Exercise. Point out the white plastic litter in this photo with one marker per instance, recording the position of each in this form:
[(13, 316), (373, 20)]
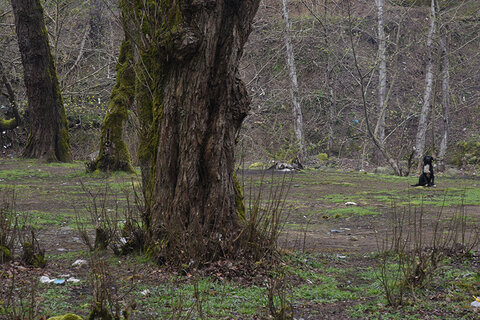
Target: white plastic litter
[(73, 280), (45, 279), (475, 304), (79, 263)]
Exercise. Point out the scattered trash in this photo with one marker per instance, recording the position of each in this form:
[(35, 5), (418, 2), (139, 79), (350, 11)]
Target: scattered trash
[(79, 263), (350, 203), (340, 256), (73, 280), (45, 279), (62, 249), (145, 292), (336, 231), (476, 303)]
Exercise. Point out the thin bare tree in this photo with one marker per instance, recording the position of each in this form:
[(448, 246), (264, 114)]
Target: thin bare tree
[(445, 96), (427, 95), (292, 71), (382, 75)]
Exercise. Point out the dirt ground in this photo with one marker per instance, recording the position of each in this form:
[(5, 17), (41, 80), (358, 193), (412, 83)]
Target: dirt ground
[(344, 215)]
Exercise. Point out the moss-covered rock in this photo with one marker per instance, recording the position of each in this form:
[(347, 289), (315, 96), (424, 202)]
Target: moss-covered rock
[(5, 254), (68, 316)]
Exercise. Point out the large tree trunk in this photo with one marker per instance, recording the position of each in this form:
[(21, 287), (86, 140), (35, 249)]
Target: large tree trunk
[(445, 98), (191, 106), (48, 138), (427, 96), (113, 154), (292, 71)]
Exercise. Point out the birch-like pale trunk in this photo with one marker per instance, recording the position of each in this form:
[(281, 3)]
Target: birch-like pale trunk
[(382, 74), (329, 82), (427, 97), (292, 71), (445, 96)]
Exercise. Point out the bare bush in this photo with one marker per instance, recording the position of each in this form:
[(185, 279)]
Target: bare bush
[(416, 243)]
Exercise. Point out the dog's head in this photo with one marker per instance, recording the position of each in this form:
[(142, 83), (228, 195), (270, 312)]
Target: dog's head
[(427, 160)]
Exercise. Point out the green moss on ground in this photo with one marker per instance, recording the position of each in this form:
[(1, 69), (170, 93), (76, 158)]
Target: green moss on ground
[(68, 316)]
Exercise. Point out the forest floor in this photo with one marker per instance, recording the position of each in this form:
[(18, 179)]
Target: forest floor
[(339, 232)]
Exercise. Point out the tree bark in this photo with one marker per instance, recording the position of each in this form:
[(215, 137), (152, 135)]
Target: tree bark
[(382, 77), (191, 104), (9, 124), (329, 82), (113, 154), (292, 71), (445, 97), (48, 138), (427, 96)]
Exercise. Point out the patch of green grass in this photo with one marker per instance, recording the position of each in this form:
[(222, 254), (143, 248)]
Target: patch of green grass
[(351, 211), (57, 300), (334, 198), (219, 300), (38, 219), (75, 164), (22, 174)]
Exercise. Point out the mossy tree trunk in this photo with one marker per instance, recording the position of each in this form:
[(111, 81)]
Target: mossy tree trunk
[(48, 138), (191, 106), (9, 124), (113, 154)]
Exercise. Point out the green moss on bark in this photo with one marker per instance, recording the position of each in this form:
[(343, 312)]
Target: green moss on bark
[(113, 154), (8, 124)]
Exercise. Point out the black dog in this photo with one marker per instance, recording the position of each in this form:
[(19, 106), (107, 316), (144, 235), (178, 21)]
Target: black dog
[(427, 177)]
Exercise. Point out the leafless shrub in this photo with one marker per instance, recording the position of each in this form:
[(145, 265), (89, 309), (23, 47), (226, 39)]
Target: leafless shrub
[(8, 225), (33, 254), (110, 300), (264, 215), (115, 226), (413, 247), (278, 304), (19, 297)]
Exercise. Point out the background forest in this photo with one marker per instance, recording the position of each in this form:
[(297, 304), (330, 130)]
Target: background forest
[(335, 47)]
